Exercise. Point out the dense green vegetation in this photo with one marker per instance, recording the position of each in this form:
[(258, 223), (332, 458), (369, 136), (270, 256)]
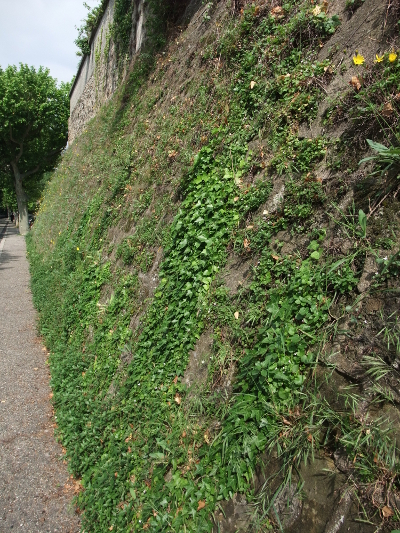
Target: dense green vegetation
[(34, 114), (192, 173)]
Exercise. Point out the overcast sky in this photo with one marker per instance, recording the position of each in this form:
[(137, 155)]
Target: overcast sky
[(41, 32)]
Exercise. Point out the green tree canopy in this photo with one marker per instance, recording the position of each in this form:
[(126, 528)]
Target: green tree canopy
[(34, 115)]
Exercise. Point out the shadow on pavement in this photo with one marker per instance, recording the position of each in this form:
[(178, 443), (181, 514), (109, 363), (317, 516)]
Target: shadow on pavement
[(6, 257)]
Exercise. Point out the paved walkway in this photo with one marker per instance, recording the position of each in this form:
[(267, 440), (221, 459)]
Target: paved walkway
[(35, 488)]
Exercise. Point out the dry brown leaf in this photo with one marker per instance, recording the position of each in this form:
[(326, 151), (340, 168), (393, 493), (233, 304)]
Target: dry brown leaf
[(276, 12), (201, 505), (310, 438), (175, 381), (387, 511), (249, 227), (355, 82), (286, 422), (177, 399), (77, 486), (396, 97), (387, 110), (246, 243), (276, 257)]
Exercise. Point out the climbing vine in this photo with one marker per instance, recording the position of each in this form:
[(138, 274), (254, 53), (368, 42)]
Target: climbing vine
[(179, 173)]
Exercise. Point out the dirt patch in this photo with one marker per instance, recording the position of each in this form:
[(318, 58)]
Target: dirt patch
[(196, 372), (237, 273)]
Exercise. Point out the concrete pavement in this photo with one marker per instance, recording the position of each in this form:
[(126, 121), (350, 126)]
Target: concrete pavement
[(35, 487)]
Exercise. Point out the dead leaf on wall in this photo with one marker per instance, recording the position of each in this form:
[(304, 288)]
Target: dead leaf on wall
[(355, 82), (387, 110), (177, 399), (276, 12), (387, 511), (201, 505)]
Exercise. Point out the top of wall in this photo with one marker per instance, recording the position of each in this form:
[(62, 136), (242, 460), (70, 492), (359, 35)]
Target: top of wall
[(87, 63)]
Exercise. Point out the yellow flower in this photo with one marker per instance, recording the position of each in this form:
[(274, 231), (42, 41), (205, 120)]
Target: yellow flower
[(78, 249), (392, 57), (379, 58), (358, 59)]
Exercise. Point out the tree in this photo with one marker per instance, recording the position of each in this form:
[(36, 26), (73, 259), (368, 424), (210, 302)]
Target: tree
[(34, 115)]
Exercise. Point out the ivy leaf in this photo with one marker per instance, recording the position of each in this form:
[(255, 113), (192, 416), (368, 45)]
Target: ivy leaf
[(316, 255), (157, 455)]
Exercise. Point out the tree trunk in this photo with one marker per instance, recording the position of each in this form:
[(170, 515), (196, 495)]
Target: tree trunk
[(21, 201)]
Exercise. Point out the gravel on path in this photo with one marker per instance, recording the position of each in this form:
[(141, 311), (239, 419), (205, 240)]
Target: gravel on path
[(35, 488)]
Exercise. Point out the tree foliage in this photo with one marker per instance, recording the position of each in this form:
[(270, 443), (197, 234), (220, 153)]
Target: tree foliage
[(34, 113), (88, 25)]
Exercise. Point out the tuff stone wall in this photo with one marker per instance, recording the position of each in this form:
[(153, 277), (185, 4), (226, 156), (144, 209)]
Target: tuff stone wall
[(98, 73)]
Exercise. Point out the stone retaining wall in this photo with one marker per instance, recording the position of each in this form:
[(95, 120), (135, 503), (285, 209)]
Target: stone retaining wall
[(97, 76)]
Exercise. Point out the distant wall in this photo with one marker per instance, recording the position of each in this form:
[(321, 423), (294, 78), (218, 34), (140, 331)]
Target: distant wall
[(97, 76)]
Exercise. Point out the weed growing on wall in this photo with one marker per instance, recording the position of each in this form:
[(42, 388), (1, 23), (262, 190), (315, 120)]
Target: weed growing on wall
[(178, 173)]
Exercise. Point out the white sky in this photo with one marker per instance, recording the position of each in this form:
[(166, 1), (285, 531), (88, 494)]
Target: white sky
[(41, 33)]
